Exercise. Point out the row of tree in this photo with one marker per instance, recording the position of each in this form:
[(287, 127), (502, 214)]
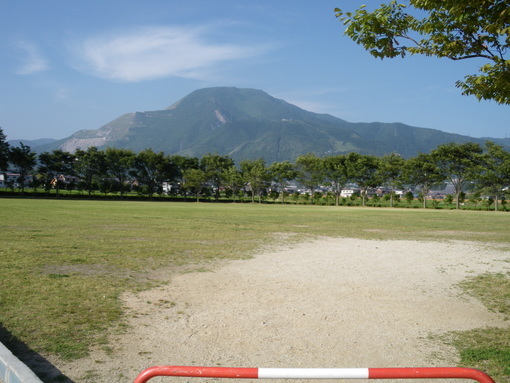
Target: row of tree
[(485, 169)]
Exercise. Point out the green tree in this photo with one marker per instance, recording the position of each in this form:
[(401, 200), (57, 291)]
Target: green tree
[(256, 174), (233, 180), (456, 29), (390, 170), (90, 165), (183, 164), (488, 202), (495, 174), (37, 181), (151, 169), (448, 199), (337, 174), (274, 195), (460, 163), (475, 198), (214, 166), (22, 160), (423, 171), (363, 169), (409, 196), (4, 151), (56, 166), (295, 197), (119, 163), (195, 180), (462, 197), (310, 171), (281, 173)]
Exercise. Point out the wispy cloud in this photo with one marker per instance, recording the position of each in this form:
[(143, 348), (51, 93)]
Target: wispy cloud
[(32, 60), (155, 52), (62, 93), (315, 100)]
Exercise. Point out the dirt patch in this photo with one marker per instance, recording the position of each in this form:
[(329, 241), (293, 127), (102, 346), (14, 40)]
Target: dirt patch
[(326, 303)]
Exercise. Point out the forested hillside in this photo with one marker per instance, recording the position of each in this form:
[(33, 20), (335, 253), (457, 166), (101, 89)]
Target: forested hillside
[(250, 124)]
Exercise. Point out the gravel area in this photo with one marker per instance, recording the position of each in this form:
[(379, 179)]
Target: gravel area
[(327, 303)]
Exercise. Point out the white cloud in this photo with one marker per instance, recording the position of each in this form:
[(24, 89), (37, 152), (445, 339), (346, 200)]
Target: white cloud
[(32, 60), (62, 94), (320, 100), (154, 52)]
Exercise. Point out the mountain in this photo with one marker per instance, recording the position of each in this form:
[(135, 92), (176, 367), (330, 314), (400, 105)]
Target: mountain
[(32, 143), (249, 124)]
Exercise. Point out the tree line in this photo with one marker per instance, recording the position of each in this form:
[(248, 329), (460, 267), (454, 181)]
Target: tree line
[(467, 166)]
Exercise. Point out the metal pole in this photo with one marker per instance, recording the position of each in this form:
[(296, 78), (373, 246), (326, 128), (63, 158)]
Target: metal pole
[(315, 373)]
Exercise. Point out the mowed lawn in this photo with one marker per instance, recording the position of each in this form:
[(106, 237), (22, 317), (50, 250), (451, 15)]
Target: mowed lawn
[(64, 264)]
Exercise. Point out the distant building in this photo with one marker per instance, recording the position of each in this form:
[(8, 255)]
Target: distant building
[(167, 187), (291, 189), (11, 179), (440, 194), (346, 193)]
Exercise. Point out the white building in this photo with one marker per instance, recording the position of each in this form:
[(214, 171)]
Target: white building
[(346, 193)]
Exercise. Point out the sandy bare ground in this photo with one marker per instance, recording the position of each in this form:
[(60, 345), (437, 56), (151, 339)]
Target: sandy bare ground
[(327, 303)]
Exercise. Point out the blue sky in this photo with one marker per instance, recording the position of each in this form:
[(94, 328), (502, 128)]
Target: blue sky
[(72, 65)]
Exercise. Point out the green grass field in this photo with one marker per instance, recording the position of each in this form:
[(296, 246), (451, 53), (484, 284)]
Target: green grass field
[(63, 264)]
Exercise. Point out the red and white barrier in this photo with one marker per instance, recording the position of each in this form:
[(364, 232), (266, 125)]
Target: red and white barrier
[(315, 373)]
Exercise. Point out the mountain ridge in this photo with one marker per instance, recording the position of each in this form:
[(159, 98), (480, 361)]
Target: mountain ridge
[(250, 124)]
